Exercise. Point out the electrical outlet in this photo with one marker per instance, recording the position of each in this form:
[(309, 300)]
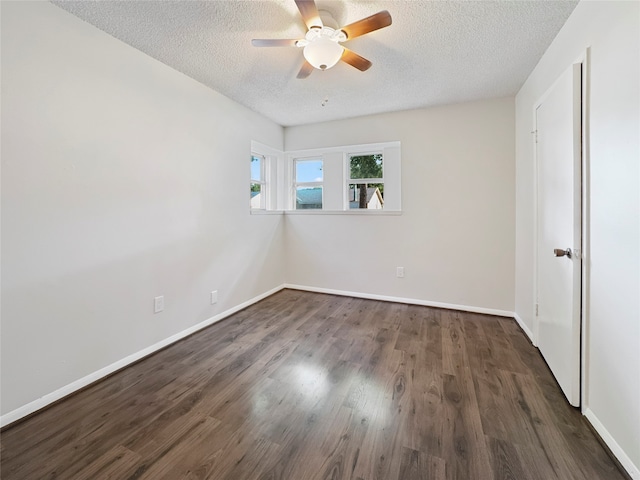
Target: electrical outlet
[(214, 297), (399, 272), (158, 304)]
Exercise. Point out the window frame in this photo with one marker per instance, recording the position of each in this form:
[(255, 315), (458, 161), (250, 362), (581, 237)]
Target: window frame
[(274, 177), (335, 177), (360, 181), (295, 184), (262, 182)]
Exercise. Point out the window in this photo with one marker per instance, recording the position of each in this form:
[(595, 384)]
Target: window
[(353, 179), (366, 181), (267, 180), (258, 182), (307, 187)]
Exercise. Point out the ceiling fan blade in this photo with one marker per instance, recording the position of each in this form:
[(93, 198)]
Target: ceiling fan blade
[(305, 70), (355, 60), (309, 13), (374, 22), (261, 42)]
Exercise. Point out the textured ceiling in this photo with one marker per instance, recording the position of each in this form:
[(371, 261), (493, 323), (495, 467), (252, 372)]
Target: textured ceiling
[(434, 53)]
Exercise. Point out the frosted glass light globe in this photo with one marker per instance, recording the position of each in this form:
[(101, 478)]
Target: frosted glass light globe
[(323, 53)]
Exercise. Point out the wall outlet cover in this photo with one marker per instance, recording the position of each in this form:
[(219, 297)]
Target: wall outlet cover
[(158, 304)]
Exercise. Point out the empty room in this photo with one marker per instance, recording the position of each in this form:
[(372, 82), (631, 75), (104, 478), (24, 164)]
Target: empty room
[(320, 239)]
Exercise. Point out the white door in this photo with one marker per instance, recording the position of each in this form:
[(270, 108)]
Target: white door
[(559, 237)]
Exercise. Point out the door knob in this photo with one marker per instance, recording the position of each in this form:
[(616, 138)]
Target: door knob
[(559, 252)]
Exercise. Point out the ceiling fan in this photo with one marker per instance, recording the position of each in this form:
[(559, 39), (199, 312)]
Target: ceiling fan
[(321, 45)]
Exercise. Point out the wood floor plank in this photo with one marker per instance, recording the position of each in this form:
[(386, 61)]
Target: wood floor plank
[(339, 446), (501, 348), (425, 409), (550, 439), (454, 354), (416, 465), (172, 450), (308, 386), (531, 456), (379, 457), (504, 460), (465, 449), (251, 464), (411, 327), (119, 462), (556, 438)]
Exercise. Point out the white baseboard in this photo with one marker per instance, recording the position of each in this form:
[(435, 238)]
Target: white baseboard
[(524, 327), (412, 301), (62, 392), (623, 458)]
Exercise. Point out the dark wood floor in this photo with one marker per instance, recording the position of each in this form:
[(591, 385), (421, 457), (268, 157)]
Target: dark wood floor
[(309, 386)]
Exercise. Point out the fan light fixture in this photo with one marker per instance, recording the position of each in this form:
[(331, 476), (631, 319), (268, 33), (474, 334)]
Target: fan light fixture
[(321, 47)]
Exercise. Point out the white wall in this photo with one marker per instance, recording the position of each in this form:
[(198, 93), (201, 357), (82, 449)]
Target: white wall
[(612, 32), (122, 179), (455, 236)]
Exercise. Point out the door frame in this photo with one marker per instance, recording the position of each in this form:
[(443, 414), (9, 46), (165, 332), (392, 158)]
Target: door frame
[(583, 61)]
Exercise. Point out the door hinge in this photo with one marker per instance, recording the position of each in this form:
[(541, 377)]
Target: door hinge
[(535, 135), (536, 309)]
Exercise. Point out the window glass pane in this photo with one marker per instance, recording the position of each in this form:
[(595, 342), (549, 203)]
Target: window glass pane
[(366, 195), (308, 198), (308, 171), (366, 166), (256, 168), (256, 195)]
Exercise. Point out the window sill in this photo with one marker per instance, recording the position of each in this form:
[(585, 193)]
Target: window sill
[(266, 212), (343, 212), (375, 213)]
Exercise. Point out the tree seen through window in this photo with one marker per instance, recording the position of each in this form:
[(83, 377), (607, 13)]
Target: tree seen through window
[(369, 191)]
